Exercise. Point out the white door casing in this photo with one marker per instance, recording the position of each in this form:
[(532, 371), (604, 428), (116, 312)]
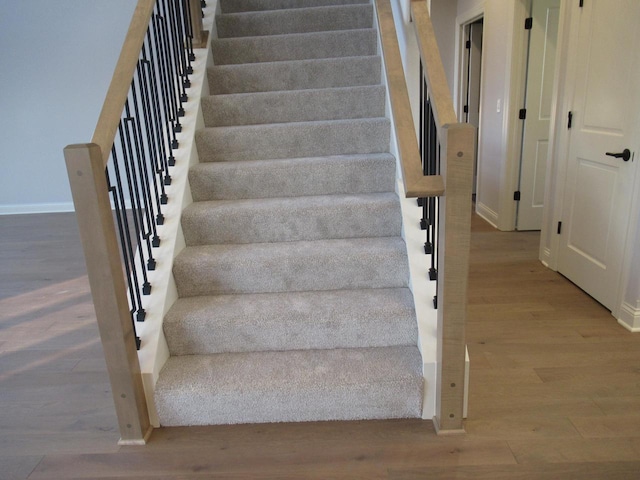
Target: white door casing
[(605, 118), (539, 97)]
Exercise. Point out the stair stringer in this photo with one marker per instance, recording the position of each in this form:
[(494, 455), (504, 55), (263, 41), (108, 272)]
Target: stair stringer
[(154, 351), (421, 287)]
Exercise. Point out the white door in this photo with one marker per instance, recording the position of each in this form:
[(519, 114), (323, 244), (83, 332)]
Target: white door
[(606, 106), (539, 96)]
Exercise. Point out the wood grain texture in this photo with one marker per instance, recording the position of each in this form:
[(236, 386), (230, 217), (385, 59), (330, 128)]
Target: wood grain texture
[(97, 233), (416, 184), (65, 427), (440, 95), (454, 233), (113, 105)]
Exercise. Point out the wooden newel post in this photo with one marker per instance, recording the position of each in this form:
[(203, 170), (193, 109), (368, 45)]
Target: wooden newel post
[(200, 36), (458, 146), (87, 178)]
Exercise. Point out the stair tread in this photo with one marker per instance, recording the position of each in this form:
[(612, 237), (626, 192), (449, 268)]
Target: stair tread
[(294, 20), (295, 74), (230, 6), (359, 173), (287, 219), (291, 321), (321, 104), (333, 264), (294, 46), (297, 139), (296, 385)]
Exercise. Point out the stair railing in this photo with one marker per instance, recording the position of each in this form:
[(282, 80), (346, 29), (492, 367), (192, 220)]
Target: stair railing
[(123, 173), (438, 171)]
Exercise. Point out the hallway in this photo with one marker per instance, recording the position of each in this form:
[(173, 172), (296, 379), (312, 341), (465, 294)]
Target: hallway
[(555, 385)]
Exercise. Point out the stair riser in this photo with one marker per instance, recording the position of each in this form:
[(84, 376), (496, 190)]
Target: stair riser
[(234, 6), (281, 107), (289, 220), (290, 177), (278, 22), (294, 266), (293, 140), (291, 321), (294, 75), (349, 43)]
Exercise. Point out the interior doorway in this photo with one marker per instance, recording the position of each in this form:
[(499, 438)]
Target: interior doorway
[(542, 25), (471, 82)]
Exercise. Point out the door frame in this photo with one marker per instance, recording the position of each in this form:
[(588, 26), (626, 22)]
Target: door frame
[(461, 73), (513, 99), (558, 162)]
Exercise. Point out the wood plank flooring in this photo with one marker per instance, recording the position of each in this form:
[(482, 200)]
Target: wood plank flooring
[(555, 385)]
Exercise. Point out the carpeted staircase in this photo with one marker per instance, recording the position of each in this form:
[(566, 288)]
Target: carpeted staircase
[(294, 301)]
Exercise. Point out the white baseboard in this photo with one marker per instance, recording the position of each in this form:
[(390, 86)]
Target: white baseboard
[(36, 208), (488, 214), (630, 317)]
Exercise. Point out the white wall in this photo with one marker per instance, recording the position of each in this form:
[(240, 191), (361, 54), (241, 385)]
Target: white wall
[(56, 62), (443, 16)]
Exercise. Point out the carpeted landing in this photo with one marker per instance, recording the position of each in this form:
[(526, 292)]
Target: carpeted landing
[(294, 301)]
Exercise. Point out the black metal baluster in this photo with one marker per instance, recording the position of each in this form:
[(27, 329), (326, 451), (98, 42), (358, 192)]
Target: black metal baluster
[(165, 80), (188, 27), (126, 241), (134, 196), (434, 155), (428, 136), (167, 158), (183, 35), (421, 140), (143, 171), (134, 294), (179, 48), (154, 134), (149, 140), (172, 66)]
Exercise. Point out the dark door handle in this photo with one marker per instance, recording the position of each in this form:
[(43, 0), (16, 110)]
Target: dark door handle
[(625, 155)]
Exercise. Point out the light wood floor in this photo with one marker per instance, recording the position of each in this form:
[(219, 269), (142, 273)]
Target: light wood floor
[(555, 385)]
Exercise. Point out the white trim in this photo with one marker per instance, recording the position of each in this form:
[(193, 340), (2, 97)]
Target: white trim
[(486, 213), (629, 317), (27, 208), (514, 82)]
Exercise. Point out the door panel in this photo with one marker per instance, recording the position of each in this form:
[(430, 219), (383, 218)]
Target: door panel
[(583, 239), (539, 96), (605, 109)]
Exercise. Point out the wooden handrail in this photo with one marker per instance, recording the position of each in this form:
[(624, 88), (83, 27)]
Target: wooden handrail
[(454, 185), (113, 106), (416, 184)]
